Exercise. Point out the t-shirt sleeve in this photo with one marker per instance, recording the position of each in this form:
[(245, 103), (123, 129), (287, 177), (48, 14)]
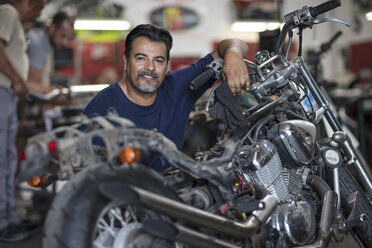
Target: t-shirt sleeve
[(36, 51), (8, 19)]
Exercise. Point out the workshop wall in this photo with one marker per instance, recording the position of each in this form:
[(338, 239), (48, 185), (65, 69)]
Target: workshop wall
[(215, 18)]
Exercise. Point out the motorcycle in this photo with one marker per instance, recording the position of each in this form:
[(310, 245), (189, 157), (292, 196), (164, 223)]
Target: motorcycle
[(271, 180)]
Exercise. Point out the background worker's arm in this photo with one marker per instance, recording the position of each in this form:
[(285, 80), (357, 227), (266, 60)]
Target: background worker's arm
[(19, 86), (39, 79)]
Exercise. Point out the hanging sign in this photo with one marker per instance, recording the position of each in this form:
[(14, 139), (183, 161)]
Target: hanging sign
[(174, 18)]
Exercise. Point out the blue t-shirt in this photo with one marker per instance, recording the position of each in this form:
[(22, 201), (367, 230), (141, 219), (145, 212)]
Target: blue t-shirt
[(168, 114), (39, 47)]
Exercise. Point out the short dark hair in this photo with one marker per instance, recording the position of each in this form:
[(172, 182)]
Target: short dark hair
[(35, 1), (60, 17), (153, 33)]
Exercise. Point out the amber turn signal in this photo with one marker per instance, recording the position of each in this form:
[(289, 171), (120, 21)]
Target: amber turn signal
[(130, 154), (37, 182)]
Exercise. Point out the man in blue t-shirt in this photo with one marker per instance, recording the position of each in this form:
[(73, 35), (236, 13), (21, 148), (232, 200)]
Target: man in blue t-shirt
[(153, 98), (42, 41)]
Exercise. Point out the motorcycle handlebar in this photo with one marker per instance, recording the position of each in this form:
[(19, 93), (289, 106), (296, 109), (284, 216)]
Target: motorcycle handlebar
[(213, 70), (324, 7), (202, 79), (307, 16)]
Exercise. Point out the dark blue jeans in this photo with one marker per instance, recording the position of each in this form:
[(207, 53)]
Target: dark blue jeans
[(8, 158)]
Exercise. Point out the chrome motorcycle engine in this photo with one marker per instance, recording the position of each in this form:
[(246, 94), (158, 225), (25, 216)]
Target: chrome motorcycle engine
[(262, 166), (295, 222), (294, 218)]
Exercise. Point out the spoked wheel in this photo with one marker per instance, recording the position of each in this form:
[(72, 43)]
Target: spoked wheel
[(81, 216), (121, 226), (349, 185)]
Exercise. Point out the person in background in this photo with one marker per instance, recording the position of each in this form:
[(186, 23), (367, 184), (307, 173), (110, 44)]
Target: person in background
[(153, 98), (14, 66), (41, 44)]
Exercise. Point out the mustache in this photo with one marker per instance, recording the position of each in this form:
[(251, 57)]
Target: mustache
[(147, 73)]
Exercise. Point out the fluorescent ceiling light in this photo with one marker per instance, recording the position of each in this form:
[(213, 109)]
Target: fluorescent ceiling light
[(87, 88), (101, 25), (369, 16), (246, 26), (273, 25)]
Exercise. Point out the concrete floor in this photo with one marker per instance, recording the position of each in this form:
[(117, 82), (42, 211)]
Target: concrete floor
[(32, 205), (32, 242)]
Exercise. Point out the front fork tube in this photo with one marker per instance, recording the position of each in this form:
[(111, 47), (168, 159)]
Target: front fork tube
[(336, 185), (355, 163)]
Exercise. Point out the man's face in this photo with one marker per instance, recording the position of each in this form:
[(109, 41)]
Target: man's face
[(147, 65), (60, 37), (34, 8)]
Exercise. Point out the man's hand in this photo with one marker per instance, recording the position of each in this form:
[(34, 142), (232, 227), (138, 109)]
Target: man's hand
[(19, 88), (235, 71)]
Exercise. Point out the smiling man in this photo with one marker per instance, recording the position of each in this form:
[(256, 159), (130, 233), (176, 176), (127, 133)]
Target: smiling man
[(145, 68), (155, 99)]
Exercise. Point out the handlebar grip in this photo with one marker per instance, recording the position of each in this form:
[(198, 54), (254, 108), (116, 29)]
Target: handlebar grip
[(324, 7), (202, 79)]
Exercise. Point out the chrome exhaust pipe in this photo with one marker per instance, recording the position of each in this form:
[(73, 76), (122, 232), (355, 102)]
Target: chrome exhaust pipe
[(179, 233), (198, 217), (125, 194), (328, 214)]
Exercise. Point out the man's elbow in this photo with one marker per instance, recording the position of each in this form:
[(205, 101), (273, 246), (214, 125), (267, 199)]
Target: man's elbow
[(235, 44)]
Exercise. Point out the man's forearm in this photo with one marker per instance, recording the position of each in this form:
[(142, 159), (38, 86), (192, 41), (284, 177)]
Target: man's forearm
[(232, 45), (36, 80), (18, 84), (234, 70), (5, 65)]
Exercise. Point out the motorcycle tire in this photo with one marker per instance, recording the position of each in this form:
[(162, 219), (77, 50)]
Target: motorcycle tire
[(349, 185), (76, 208)]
